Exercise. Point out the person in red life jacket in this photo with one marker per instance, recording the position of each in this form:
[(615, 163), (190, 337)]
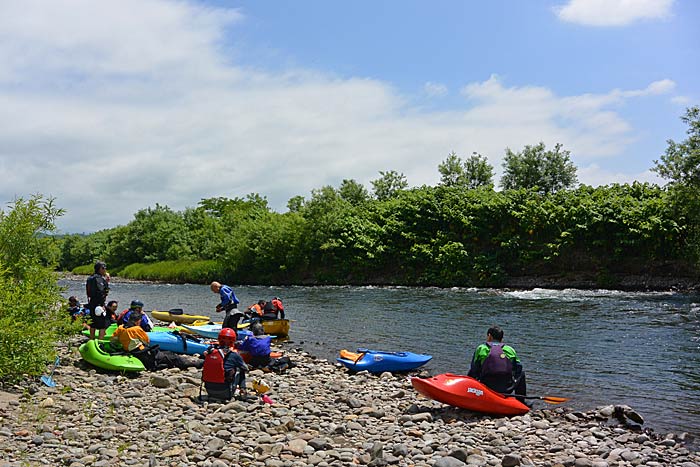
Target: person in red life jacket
[(258, 346), (497, 365), (135, 315), (224, 370), (274, 309)]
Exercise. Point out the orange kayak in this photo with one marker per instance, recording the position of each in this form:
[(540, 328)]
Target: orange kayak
[(467, 393)]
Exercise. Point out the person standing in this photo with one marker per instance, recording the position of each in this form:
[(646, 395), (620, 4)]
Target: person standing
[(229, 304), (497, 366), (97, 288)]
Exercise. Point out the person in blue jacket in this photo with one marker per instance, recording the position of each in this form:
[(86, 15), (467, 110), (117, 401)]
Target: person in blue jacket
[(258, 346), (136, 317), (229, 304)]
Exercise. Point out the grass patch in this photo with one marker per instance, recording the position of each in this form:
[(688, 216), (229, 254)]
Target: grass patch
[(198, 272)]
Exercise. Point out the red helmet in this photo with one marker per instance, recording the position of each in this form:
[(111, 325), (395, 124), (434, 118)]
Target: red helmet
[(227, 337)]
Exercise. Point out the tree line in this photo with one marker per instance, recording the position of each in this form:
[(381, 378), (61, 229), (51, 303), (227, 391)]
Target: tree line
[(461, 232)]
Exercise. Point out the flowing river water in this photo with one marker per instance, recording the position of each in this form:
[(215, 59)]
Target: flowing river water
[(597, 347)]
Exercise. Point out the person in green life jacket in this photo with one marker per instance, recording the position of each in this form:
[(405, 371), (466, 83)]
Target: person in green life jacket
[(497, 366)]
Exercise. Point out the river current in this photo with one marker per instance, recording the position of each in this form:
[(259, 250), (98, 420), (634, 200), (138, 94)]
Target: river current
[(597, 347)]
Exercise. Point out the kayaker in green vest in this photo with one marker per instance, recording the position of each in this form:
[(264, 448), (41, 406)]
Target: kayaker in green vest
[(497, 365)]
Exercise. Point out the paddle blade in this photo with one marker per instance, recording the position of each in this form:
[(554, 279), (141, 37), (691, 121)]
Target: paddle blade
[(554, 400), (47, 380)]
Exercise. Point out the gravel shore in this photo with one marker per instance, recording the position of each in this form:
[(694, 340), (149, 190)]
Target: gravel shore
[(322, 416)]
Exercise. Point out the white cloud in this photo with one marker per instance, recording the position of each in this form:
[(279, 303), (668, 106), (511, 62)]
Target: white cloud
[(681, 100), (613, 12), (112, 112), (435, 89)]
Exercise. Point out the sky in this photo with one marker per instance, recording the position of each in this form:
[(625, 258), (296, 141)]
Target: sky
[(111, 107)]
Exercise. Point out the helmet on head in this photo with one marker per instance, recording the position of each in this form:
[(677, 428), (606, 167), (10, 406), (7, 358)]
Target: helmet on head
[(136, 304), (227, 337), (99, 265)]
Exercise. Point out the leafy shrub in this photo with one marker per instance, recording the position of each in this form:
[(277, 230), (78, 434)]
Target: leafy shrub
[(31, 306)]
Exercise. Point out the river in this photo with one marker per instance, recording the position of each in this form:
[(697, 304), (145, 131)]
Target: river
[(597, 347)]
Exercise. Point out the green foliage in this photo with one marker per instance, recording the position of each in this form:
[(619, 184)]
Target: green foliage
[(175, 271), (681, 162), (353, 192), (538, 169), (681, 166), (475, 172), (389, 184), (444, 236), (31, 313)]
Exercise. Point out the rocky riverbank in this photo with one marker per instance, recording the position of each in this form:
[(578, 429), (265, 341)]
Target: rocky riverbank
[(321, 416)]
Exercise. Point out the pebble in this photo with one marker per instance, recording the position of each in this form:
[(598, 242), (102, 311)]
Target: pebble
[(322, 416)]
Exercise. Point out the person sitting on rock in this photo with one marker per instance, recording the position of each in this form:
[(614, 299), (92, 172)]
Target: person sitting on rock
[(224, 370), (76, 310), (258, 346), (497, 366), (134, 340)]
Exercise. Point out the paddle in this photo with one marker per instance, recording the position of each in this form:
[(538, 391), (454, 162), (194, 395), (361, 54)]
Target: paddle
[(48, 380), (547, 399)]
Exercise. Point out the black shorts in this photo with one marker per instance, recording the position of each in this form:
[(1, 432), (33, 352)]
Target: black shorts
[(99, 322)]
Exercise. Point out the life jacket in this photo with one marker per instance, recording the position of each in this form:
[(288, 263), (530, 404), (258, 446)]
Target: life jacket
[(497, 362), (257, 309), (131, 338), (213, 369), (120, 318)]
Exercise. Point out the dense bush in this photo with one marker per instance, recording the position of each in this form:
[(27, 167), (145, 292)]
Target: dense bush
[(31, 306)]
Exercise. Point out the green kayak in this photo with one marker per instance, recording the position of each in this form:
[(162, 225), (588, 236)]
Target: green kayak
[(95, 355), (113, 327)]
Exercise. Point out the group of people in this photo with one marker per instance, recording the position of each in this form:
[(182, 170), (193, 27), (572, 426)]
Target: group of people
[(262, 310), (493, 363)]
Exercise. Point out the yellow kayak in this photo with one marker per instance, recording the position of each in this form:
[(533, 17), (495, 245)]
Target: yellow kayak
[(177, 318), (276, 327)]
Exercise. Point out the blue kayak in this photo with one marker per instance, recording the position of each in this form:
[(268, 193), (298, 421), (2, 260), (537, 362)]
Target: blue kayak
[(376, 361), (178, 343), (212, 331)]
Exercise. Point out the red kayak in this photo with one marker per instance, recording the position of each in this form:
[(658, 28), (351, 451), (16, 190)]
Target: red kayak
[(467, 393)]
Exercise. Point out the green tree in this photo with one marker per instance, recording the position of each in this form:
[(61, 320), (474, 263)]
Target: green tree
[(536, 168), (452, 170), (31, 316), (353, 192), (389, 184), (681, 162), (295, 203), (478, 172), (681, 166)]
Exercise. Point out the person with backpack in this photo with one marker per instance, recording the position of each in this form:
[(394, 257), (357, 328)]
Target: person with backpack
[(96, 289), (224, 370), (497, 366)]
